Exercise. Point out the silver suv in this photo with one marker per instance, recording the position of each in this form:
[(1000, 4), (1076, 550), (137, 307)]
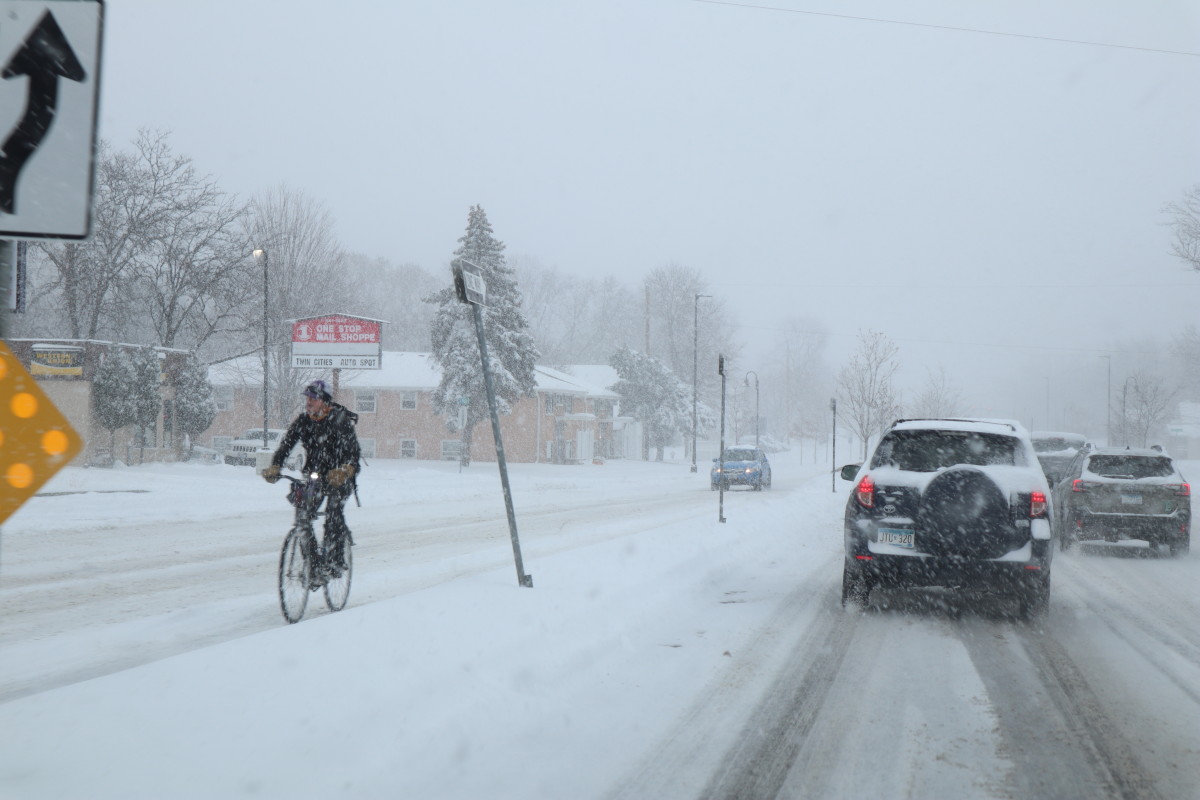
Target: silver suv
[(241, 451), (956, 503)]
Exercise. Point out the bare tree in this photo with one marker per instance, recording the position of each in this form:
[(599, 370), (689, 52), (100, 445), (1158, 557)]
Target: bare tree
[(1146, 403), (394, 294), (796, 383), (672, 310), (162, 265), (574, 320), (865, 386), (305, 272), (191, 275), (1185, 219), (939, 398), (86, 276)]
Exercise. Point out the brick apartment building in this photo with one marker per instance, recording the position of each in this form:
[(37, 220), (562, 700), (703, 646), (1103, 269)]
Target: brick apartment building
[(573, 418)]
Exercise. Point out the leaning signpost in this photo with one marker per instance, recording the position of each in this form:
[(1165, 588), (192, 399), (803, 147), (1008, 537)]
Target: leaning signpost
[(472, 289)]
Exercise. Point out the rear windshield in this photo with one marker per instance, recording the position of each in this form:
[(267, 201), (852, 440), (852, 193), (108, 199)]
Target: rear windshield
[(1119, 466), (739, 455), (927, 451)]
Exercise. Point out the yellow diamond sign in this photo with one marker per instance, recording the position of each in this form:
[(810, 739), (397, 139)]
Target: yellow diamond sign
[(36, 440)]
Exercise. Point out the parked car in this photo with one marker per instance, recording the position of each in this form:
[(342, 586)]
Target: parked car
[(745, 466), (956, 503), (1111, 493), (1055, 450), (241, 451)]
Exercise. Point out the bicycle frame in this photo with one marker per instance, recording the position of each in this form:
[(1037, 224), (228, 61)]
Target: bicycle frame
[(302, 566)]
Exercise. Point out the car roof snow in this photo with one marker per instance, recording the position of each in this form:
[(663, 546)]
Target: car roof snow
[(960, 424)]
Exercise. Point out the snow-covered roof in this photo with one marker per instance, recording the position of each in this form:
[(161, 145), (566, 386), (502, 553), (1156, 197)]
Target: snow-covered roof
[(559, 382), (600, 376), (409, 371)]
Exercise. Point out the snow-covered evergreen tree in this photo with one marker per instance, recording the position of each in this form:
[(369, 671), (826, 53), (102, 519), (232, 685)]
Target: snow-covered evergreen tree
[(145, 393), (511, 348), (194, 409), (113, 403), (652, 394)]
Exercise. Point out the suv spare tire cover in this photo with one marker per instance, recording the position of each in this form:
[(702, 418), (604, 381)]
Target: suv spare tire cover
[(963, 513)]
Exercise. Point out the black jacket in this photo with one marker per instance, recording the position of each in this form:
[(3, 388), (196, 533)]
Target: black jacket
[(328, 443)]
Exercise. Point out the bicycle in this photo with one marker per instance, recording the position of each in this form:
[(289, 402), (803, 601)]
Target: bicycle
[(302, 565)]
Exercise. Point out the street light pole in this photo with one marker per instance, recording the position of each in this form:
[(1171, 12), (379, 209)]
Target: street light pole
[(695, 367), (755, 374), (260, 253)]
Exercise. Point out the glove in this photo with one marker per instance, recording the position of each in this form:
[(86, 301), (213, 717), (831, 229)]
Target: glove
[(339, 475), (271, 474)]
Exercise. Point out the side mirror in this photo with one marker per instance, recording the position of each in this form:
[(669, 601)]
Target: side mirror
[(850, 472), (715, 460)]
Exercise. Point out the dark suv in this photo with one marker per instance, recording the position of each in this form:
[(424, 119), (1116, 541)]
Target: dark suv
[(957, 503), (1112, 493)]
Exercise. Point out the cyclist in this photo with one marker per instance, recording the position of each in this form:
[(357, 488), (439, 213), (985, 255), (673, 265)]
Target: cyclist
[(326, 429)]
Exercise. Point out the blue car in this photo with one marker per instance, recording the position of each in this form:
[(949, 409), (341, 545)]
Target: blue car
[(744, 466)]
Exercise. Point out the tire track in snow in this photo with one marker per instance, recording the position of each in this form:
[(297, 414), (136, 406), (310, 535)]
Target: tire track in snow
[(802, 645), (1056, 731)]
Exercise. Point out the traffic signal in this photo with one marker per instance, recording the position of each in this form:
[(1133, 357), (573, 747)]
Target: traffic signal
[(36, 440)]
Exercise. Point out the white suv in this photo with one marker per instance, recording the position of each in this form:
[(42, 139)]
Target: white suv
[(241, 451)]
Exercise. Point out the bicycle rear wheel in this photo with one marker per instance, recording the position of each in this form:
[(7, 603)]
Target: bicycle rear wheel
[(294, 577), (337, 590)]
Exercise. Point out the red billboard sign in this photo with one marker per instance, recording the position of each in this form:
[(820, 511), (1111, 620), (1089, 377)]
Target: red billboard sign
[(336, 341)]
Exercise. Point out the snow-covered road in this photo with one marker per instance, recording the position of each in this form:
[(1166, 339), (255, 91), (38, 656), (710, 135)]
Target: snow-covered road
[(660, 653)]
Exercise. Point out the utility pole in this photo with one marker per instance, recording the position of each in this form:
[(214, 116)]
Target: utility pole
[(1108, 415), (833, 449), (721, 453)]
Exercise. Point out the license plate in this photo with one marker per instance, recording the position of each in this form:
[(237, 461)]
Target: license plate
[(897, 537), (1131, 499)]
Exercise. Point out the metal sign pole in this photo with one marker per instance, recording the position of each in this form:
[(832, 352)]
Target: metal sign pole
[(472, 289), (522, 578)]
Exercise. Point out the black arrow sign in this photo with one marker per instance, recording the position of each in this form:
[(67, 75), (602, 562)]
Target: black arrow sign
[(45, 57)]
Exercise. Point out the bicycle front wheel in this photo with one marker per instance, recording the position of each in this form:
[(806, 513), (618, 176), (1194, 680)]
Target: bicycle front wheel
[(294, 573), (337, 589)]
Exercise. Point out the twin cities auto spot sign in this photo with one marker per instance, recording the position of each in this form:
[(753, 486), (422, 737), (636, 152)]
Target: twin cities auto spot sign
[(336, 341)]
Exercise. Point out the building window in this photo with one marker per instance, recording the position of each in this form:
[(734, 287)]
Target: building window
[(451, 449), (223, 397), (408, 448), (367, 446), (364, 402), (408, 400)]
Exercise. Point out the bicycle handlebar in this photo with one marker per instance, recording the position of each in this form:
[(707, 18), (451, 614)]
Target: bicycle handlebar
[(305, 479)]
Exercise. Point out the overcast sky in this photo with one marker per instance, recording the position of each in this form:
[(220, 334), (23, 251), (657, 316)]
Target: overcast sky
[(987, 199)]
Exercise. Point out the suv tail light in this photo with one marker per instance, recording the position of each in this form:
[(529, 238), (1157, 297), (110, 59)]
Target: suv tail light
[(1184, 489), (1037, 505), (865, 492), (1078, 485)]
